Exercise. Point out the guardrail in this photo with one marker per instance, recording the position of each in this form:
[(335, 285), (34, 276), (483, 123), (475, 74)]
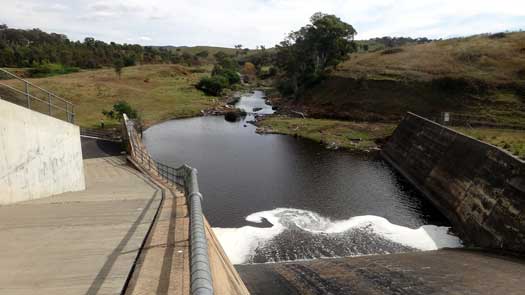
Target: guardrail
[(104, 134), (36, 98), (185, 176)]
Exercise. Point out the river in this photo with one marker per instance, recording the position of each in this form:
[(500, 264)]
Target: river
[(278, 198)]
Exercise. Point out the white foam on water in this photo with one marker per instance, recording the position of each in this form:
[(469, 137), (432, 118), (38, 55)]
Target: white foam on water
[(239, 243)]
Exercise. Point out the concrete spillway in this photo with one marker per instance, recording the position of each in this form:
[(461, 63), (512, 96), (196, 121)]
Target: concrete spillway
[(433, 272)]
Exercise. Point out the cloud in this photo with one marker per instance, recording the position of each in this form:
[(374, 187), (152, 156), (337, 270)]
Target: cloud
[(256, 22)]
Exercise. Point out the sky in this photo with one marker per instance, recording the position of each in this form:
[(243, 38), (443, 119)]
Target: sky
[(256, 22)]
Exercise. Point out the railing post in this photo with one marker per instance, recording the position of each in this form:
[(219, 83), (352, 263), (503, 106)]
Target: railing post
[(27, 95), (49, 102), (67, 113)]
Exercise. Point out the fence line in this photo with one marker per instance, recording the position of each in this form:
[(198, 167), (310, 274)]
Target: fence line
[(104, 134), (185, 176), (471, 121)]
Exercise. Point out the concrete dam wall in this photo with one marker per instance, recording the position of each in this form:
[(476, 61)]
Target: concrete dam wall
[(479, 187), (40, 156)]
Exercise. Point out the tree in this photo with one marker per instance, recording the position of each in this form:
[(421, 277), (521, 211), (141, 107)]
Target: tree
[(306, 54), (237, 48), (118, 64), (249, 70), (202, 54), (213, 85), (119, 109)]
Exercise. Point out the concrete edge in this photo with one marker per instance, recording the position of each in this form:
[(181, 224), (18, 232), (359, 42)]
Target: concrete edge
[(464, 135), (150, 228)]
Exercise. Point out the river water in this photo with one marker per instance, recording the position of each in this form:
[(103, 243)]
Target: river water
[(278, 198)]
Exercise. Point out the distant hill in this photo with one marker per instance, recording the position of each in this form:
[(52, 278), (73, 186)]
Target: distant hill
[(196, 49), (481, 76)]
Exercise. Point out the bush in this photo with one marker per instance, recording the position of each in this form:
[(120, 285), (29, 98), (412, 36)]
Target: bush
[(129, 61), (231, 75), (392, 51), (498, 35), (213, 85), (120, 108), (50, 69), (285, 87)]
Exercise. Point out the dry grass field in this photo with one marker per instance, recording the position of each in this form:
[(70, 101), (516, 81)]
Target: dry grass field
[(158, 92), (482, 77), (493, 60)]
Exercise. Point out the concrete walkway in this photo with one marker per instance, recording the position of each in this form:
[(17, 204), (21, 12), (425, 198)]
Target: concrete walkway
[(78, 243), (419, 273)]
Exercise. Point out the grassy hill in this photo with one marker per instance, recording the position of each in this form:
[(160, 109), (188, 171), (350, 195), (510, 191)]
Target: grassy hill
[(196, 49), (479, 79), (159, 92)]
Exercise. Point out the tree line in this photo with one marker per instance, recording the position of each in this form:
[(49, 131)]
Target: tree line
[(32, 48)]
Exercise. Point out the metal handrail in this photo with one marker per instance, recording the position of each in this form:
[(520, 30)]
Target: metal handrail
[(69, 107), (33, 97), (185, 176), (37, 87)]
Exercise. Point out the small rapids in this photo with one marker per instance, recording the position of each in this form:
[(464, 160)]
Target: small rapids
[(299, 234)]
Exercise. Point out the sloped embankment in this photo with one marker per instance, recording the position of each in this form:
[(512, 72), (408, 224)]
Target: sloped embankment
[(480, 77)]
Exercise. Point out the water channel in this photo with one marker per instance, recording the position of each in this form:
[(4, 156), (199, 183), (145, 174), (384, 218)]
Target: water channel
[(278, 198)]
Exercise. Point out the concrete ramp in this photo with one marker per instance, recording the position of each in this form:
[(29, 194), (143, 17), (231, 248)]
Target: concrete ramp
[(419, 273), (78, 243)]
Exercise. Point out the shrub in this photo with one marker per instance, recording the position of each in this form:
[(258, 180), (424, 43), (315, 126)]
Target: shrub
[(50, 69), (285, 87), (129, 61), (213, 85), (231, 75), (498, 35), (120, 108), (392, 51)]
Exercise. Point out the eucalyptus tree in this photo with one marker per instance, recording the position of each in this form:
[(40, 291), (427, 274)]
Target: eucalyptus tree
[(305, 55)]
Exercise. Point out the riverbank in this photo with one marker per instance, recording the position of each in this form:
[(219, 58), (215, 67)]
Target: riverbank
[(334, 134)]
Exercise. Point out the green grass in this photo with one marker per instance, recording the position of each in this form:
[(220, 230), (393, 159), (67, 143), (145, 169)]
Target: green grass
[(349, 135), (158, 92), (508, 139)]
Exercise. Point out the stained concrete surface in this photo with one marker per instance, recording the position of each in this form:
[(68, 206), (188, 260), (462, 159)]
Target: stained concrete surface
[(422, 273), (40, 156), (78, 243)]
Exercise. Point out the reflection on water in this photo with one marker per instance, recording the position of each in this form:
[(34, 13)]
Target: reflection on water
[(241, 173)]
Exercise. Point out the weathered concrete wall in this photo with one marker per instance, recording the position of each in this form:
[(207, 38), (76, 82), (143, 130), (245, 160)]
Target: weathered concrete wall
[(479, 187), (40, 156)]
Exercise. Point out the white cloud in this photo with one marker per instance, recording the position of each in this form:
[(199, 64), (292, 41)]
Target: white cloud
[(255, 22)]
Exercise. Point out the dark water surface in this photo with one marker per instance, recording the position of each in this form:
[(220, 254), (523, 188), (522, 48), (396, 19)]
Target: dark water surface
[(241, 173)]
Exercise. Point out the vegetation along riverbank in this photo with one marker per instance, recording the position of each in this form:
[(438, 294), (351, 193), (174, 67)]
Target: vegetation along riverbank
[(349, 93)]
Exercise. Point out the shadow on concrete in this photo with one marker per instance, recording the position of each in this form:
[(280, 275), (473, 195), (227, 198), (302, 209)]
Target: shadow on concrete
[(98, 148)]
